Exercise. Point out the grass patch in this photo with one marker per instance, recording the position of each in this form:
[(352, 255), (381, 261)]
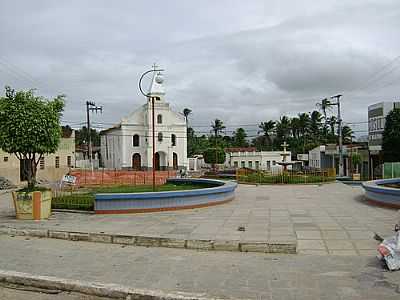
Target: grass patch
[(147, 188)]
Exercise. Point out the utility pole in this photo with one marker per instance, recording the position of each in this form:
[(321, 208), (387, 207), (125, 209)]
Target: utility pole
[(90, 107), (337, 97)]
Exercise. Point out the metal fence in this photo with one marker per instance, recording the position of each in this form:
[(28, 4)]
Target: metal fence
[(285, 177), (391, 170), (120, 177)]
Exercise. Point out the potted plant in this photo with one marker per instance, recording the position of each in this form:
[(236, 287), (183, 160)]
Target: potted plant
[(30, 128), (356, 160)]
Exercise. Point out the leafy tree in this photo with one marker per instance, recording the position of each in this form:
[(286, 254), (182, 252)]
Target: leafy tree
[(214, 156), (240, 138), (391, 137), (29, 127), (81, 137)]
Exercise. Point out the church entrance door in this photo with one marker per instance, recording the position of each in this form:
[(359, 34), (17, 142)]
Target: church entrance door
[(136, 162), (175, 161), (157, 161)]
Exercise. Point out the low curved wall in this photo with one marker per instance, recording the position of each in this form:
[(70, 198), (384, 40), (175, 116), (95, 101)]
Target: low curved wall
[(376, 192), (114, 203)]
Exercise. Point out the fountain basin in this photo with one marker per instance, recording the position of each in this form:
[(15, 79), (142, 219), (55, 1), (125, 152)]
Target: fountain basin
[(117, 203), (376, 191)]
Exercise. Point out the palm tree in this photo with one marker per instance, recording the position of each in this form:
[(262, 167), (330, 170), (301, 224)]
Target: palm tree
[(347, 134), (315, 124), (283, 129), (268, 129), (217, 127), (304, 123), (294, 126)]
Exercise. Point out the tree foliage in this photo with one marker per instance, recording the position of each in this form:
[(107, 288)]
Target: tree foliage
[(214, 156), (30, 127), (391, 137)]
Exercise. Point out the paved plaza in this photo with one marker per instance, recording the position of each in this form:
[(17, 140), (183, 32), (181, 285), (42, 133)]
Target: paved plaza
[(324, 219)]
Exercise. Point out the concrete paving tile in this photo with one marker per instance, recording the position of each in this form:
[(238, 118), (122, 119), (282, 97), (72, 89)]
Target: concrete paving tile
[(313, 252), (334, 235), (343, 252), (308, 235), (366, 244), (360, 234), (368, 252), (310, 245), (339, 245)]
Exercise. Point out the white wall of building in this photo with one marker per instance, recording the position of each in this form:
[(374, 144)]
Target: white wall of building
[(262, 160)]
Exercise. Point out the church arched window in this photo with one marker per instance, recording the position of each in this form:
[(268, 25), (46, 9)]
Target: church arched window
[(135, 140), (159, 119), (173, 139), (160, 137)]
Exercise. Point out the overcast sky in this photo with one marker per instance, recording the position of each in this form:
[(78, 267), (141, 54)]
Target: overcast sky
[(241, 61)]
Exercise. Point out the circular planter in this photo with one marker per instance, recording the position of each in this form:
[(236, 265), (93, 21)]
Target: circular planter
[(376, 191), (115, 203)]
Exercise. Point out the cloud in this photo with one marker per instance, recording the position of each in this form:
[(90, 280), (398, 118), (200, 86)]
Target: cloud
[(243, 63)]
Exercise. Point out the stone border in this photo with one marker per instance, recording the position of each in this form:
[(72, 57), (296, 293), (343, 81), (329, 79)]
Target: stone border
[(387, 196), (153, 241), (109, 290)]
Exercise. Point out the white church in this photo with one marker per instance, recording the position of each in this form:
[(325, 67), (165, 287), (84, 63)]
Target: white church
[(128, 145)]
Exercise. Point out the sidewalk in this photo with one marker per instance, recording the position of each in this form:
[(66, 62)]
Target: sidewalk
[(209, 274)]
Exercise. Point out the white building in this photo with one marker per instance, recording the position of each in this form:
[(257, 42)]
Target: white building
[(128, 145), (258, 160)]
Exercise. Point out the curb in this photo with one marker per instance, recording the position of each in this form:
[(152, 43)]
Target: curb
[(109, 290), (289, 247)]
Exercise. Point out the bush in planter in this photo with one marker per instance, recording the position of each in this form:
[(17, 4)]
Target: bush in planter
[(30, 128)]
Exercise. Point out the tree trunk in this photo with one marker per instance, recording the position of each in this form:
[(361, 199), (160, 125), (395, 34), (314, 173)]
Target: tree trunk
[(31, 173)]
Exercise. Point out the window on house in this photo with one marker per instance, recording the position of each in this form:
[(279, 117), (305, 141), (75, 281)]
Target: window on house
[(5, 159), (173, 139), (250, 164), (257, 164), (268, 164), (159, 119), (135, 140), (243, 164), (235, 164), (57, 162), (273, 162), (160, 137), (41, 163), (69, 160), (158, 98)]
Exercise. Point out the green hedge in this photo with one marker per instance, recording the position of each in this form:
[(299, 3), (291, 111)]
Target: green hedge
[(283, 178), (74, 201)]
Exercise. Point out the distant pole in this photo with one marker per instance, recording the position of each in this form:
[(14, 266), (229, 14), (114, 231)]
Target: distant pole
[(337, 97), (147, 95), (91, 106)]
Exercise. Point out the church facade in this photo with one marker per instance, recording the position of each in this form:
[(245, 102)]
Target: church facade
[(128, 145)]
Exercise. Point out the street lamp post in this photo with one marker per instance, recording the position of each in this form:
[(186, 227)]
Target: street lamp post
[(147, 95)]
